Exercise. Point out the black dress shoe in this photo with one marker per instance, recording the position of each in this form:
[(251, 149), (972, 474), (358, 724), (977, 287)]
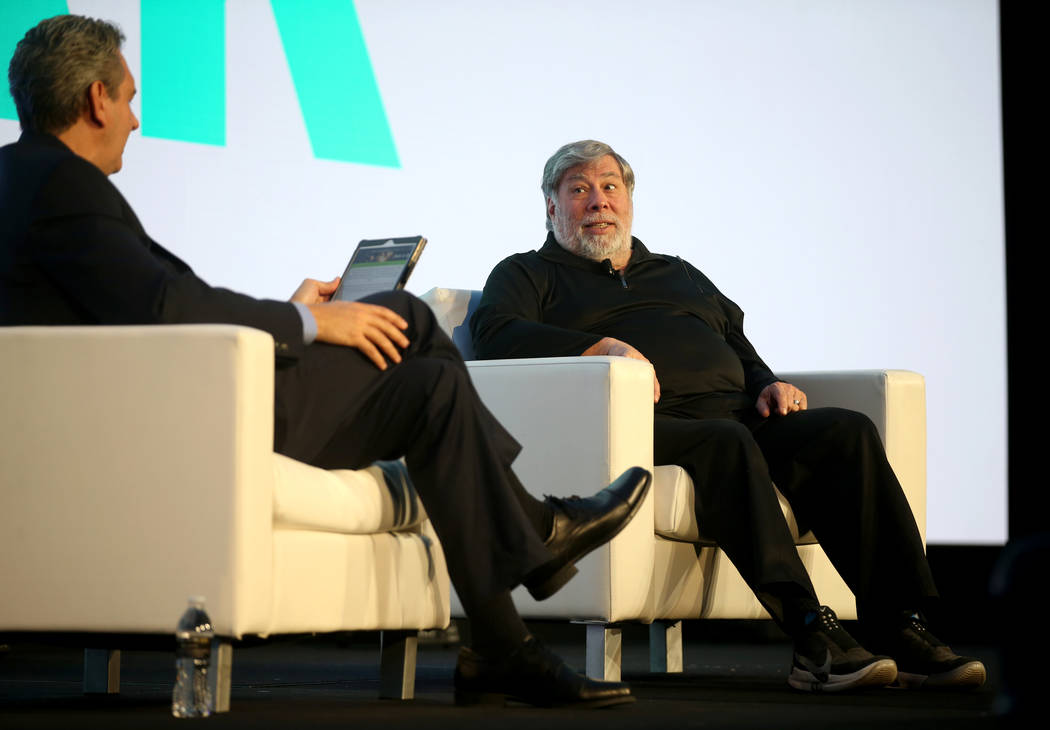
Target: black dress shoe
[(532, 674), (581, 525)]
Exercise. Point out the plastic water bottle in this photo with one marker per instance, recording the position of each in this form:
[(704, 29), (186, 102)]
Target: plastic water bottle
[(192, 696)]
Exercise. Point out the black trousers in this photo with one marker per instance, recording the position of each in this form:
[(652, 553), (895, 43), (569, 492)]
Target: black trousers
[(336, 409), (830, 465)]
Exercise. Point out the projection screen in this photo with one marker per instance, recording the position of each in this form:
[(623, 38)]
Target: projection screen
[(834, 166)]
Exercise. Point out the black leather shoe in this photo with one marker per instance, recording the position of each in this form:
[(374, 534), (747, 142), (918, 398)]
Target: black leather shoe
[(532, 674), (581, 525)]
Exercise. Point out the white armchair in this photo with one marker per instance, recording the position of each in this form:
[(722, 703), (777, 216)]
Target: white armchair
[(583, 420), (138, 469)]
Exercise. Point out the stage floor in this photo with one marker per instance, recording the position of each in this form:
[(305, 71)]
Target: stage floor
[(321, 682)]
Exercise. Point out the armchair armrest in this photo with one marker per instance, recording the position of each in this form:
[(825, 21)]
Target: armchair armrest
[(582, 421), (137, 471), (895, 400)]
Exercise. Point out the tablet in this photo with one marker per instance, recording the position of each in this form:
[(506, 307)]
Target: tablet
[(379, 265)]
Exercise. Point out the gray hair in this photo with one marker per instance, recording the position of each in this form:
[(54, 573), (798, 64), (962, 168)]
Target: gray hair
[(55, 63), (578, 153)]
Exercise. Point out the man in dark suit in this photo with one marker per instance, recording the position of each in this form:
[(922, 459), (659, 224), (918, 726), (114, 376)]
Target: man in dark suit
[(355, 382)]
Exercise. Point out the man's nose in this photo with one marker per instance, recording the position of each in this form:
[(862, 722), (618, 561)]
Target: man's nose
[(598, 200)]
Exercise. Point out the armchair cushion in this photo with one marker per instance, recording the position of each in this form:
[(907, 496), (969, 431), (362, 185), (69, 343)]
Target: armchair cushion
[(674, 506), (379, 498)]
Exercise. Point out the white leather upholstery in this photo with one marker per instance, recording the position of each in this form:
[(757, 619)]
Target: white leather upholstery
[(583, 420), (675, 508), (578, 438), (138, 469), (353, 502)]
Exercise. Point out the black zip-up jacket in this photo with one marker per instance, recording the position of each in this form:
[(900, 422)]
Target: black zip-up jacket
[(551, 303)]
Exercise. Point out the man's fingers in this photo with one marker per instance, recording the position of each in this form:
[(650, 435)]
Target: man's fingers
[(782, 398), (771, 399), (376, 346), (798, 400), (381, 329), (377, 312), (372, 353), (383, 332), (389, 315), (392, 332), (327, 288), (382, 340)]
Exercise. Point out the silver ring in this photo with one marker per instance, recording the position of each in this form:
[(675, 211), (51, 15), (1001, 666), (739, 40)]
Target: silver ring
[(798, 403)]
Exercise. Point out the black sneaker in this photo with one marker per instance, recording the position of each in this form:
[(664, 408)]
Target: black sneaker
[(828, 659), (924, 661)]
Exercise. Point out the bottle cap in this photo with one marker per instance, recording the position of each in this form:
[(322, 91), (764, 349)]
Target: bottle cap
[(196, 600)]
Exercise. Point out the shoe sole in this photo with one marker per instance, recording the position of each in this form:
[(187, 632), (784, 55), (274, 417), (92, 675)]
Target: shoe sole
[(542, 588), (969, 676), (469, 699), (876, 674)]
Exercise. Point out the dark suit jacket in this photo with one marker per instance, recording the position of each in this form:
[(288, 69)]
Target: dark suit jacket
[(73, 252)]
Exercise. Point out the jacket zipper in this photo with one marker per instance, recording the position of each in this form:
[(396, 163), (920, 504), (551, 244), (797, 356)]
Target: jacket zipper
[(614, 272)]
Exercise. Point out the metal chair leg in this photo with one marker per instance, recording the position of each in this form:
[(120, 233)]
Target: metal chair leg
[(101, 671), (397, 665), (604, 651), (220, 673), (665, 646)]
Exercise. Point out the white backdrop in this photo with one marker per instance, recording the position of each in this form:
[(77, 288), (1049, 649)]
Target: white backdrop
[(833, 165)]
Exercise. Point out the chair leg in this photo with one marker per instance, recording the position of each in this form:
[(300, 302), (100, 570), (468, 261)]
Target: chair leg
[(220, 673), (397, 665), (604, 652), (665, 646), (101, 671)]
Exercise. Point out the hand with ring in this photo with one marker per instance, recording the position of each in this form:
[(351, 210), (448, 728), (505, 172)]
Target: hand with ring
[(781, 398)]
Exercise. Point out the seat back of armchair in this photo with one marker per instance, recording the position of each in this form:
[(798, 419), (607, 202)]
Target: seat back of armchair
[(453, 309)]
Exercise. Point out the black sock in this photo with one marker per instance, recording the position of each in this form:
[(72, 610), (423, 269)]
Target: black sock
[(890, 615), (792, 606), (887, 623), (537, 511), (496, 629)]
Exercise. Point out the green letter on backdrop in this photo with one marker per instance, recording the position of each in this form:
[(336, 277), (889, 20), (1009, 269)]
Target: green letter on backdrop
[(183, 79)]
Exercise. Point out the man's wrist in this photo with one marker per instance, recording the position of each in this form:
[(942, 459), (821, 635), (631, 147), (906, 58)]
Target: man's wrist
[(309, 322)]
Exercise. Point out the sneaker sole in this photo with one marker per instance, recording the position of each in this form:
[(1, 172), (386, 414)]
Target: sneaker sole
[(876, 674), (544, 586), (968, 676)]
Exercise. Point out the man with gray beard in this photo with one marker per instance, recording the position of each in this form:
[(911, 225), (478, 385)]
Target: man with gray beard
[(722, 415)]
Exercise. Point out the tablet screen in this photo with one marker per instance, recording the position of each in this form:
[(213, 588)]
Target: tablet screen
[(378, 266)]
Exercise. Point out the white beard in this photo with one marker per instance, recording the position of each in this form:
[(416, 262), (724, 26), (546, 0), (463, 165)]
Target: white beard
[(595, 247)]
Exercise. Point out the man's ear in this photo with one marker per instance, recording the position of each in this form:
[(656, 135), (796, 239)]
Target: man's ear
[(550, 209), (98, 99)]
